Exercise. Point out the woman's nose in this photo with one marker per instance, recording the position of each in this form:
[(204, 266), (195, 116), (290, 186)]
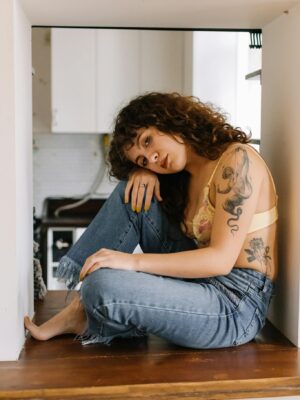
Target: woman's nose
[(153, 157)]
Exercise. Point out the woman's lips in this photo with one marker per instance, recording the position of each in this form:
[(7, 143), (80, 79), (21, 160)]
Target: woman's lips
[(165, 162)]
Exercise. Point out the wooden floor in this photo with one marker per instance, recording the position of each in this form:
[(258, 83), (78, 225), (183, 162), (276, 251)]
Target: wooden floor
[(148, 368)]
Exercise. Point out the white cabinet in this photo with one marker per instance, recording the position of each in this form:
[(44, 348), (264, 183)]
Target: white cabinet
[(73, 71), (96, 72), (117, 80), (161, 61)]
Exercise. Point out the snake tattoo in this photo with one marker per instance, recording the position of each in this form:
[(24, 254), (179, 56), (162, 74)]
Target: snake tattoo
[(238, 183)]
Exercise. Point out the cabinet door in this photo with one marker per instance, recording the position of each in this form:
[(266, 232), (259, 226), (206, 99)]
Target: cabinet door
[(73, 75), (161, 61), (117, 73)]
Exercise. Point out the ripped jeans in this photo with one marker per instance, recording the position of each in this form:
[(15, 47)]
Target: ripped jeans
[(214, 312)]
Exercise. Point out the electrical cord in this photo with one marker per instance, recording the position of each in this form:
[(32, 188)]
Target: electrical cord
[(105, 139)]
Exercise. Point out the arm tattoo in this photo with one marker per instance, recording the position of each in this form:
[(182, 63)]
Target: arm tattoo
[(239, 184), (259, 252)]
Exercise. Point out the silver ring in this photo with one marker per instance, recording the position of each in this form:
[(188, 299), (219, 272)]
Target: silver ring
[(142, 185)]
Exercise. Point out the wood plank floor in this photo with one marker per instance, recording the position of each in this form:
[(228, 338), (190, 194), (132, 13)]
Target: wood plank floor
[(149, 368)]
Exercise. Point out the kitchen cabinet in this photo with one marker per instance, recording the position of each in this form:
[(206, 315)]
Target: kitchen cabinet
[(161, 61), (117, 78), (73, 71), (97, 71)]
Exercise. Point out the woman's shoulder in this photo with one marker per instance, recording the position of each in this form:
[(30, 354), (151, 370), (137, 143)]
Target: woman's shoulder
[(240, 158), (242, 150)]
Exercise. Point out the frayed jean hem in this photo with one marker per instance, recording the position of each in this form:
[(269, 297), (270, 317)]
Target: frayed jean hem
[(68, 271), (94, 338)]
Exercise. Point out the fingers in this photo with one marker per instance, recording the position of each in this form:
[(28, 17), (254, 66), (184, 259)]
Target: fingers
[(153, 188), (139, 183), (89, 263), (157, 190), (94, 262), (127, 190), (134, 194), (107, 258), (132, 189), (141, 188), (138, 194), (148, 198), (89, 270)]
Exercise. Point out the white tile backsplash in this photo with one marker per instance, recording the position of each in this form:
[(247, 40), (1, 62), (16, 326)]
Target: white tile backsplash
[(66, 165)]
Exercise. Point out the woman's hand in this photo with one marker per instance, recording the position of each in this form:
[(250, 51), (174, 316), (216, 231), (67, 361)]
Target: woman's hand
[(107, 258), (139, 181)]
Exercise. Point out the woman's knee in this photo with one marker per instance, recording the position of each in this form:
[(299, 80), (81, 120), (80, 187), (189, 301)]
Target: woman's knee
[(101, 287)]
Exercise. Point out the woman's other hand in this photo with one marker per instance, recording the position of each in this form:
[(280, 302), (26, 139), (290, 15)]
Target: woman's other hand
[(140, 181), (106, 258)]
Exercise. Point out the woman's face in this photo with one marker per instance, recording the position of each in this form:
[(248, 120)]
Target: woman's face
[(157, 151)]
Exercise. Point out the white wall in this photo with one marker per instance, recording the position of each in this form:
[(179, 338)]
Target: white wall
[(220, 64), (16, 294), (215, 69), (281, 148), (248, 92), (188, 44)]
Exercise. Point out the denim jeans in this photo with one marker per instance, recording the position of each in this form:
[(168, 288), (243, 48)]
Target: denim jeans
[(213, 312)]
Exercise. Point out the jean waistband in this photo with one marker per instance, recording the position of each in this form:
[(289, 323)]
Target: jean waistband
[(257, 280)]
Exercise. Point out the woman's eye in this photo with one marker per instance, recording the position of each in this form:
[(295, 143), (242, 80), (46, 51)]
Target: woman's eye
[(147, 141), (144, 162)]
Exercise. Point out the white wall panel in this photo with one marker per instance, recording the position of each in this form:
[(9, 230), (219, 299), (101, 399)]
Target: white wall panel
[(16, 294), (281, 148), (161, 64)]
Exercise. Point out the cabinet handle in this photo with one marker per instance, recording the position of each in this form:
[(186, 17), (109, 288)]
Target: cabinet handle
[(60, 244)]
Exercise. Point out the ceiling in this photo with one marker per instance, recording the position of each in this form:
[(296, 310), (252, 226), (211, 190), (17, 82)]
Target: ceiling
[(227, 14)]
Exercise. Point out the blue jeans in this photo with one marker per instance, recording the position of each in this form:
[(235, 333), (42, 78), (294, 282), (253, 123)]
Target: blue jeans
[(214, 312)]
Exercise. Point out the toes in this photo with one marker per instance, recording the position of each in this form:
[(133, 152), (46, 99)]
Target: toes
[(27, 322), (34, 330)]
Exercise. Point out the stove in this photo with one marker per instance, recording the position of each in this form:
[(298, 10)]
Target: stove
[(59, 233)]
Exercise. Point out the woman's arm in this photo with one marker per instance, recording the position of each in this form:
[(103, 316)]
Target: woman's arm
[(199, 263), (237, 184)]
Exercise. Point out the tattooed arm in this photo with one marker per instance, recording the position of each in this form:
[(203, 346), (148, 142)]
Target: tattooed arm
[(237, 186)]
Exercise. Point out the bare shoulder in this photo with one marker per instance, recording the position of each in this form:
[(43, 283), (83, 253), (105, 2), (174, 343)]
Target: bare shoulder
[(241, 159)]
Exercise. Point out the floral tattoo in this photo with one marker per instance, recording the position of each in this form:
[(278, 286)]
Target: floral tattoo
[(259, 252), (238, 183)]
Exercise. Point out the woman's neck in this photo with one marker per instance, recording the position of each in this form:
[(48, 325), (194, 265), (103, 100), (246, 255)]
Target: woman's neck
[(195, 162)]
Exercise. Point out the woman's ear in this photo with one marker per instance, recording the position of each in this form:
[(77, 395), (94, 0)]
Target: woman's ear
[(178, 138)]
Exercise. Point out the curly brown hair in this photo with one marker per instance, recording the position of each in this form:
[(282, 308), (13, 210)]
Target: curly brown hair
[(200, 125)]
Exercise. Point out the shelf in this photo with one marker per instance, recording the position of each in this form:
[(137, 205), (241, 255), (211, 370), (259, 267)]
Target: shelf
[(254, 75)]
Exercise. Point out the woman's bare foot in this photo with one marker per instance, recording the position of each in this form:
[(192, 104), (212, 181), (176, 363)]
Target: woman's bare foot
[(71, 319)]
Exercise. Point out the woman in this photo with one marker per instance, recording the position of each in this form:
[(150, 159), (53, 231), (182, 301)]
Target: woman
[(201, 203)]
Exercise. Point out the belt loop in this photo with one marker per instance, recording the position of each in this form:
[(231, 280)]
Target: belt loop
[(266, 285)]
